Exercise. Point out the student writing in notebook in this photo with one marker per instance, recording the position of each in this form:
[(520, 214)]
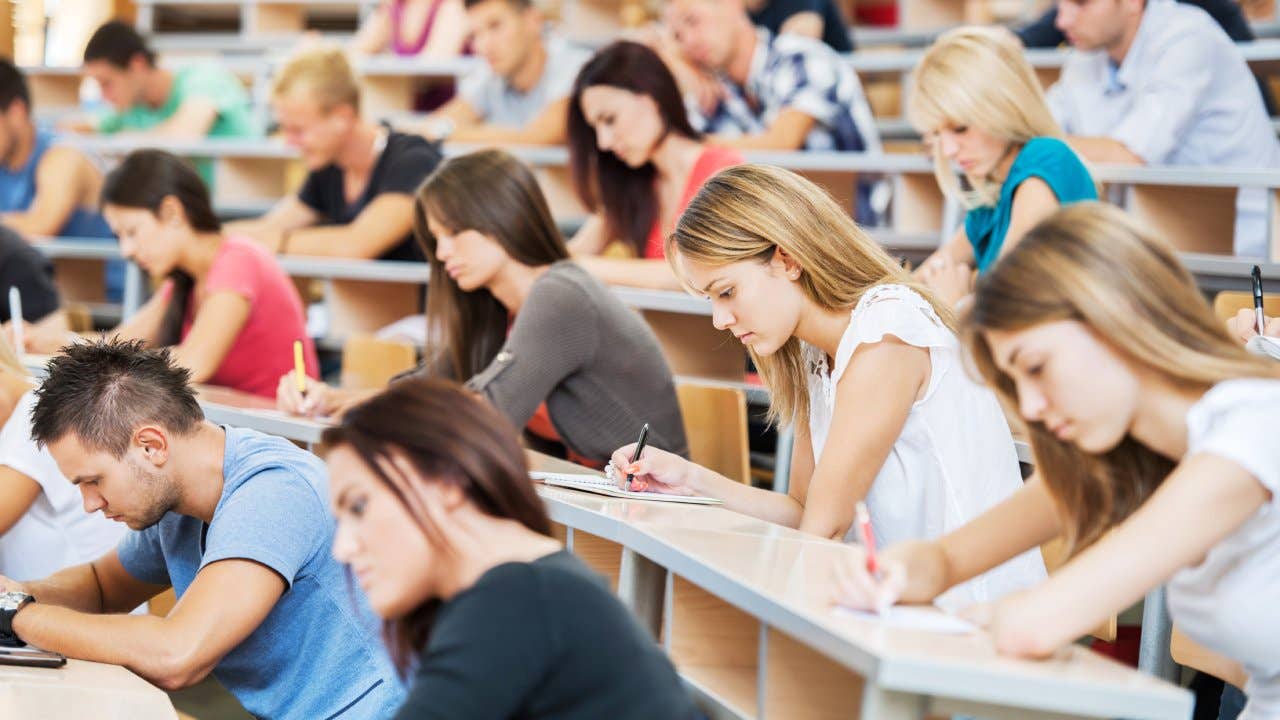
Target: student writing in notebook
[(979, 105), (493, 617), (1154, 437), (637, 162), (232, 519), (224, 304), (43, 525), (523, 325), (860, 359)]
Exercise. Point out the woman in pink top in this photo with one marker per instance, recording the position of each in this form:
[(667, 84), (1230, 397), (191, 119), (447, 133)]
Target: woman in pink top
[(226, 307), (636, 160), (413, 28)]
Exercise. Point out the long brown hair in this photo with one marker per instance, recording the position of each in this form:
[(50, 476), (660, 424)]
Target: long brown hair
[(626, 195), (449, 436), (749, 212), (493, 193), (1091, 263)]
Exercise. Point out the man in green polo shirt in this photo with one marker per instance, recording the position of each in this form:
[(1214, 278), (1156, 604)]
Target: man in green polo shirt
[(191, 102)]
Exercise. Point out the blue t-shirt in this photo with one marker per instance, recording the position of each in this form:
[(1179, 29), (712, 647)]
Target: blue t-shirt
[(317, 653), (1046, 158)]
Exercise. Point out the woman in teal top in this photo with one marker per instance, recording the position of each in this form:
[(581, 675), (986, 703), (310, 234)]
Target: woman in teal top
[(981, 109)]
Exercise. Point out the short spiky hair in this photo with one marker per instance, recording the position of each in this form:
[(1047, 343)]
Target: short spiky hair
[(102, 391)]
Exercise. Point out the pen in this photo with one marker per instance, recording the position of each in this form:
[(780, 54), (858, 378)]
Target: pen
[(869, 544), (15, 315), (644, 436), (299, 368), (1257, 299)]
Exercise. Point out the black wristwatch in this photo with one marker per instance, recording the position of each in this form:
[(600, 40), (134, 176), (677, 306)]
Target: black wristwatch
[(10, 603)]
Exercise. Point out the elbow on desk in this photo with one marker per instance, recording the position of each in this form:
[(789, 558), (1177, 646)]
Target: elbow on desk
[(175, 669)]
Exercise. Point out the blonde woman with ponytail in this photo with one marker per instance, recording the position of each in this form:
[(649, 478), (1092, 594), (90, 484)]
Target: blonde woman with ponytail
[(43, 525), (996, 149), (858, 357), (1157, 459)]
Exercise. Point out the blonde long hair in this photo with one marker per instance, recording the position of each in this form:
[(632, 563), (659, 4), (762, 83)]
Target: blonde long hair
[(1091, 263), (749, 212), (978, 77)]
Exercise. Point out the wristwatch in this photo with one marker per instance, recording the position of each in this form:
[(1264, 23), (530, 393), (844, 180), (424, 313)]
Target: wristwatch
[(10, 603)]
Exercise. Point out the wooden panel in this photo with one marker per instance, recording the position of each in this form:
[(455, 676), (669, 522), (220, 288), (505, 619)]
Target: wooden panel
[(364, 307), (382, 95), (54, 92), (603, 556), (80, 280), (929, 14), (842, 186), (249, 178), (801, 684), (370, 363), (560, 532), (715, 644), (715, 424), (1197, 219), (161, 604), (1229, 302), (694, 346), (557, 186), (917, 203), (267, 18), (1186, 651)]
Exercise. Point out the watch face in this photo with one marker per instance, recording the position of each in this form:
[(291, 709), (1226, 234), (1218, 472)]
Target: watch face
[(11, 600)]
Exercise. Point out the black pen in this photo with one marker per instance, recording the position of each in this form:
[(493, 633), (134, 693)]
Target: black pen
[(1257, 299), (644, 435)]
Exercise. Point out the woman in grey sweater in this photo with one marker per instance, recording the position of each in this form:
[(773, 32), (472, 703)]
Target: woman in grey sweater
[(521, 324)]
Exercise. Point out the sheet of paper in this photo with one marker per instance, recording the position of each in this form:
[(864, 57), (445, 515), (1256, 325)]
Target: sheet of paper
[(914, 617), (1263, 345)]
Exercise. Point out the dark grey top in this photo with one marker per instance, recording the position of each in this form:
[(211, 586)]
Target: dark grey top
[(594, 361)]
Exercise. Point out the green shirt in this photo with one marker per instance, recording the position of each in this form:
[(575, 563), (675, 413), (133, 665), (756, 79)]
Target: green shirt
[(208, 82)]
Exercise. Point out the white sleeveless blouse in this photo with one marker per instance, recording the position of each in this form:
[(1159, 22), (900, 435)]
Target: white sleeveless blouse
[(955, 457)]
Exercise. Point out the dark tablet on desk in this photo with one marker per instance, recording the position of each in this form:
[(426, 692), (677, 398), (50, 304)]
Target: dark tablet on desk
[(31, 657)]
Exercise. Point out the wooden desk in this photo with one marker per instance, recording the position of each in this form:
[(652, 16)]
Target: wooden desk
[(745, 615), (80, 690)]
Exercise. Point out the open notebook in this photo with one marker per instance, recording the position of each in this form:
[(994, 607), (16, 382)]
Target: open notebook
[(605, 486)]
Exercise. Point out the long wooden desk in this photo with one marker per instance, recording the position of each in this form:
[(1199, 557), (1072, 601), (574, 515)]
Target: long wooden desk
[(742, 607), (80, 690)]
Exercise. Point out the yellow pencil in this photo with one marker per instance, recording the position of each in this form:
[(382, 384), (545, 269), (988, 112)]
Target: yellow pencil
[(299, 367)]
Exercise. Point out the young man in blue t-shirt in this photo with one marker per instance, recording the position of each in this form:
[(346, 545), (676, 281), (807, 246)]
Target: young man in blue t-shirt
[(234, 520)]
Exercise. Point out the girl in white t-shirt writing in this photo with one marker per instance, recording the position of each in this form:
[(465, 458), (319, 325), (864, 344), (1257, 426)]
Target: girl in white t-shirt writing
[(1157, 455), (858, 357)]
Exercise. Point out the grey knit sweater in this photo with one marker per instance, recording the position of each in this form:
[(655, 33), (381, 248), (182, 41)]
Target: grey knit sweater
[(593, 360)]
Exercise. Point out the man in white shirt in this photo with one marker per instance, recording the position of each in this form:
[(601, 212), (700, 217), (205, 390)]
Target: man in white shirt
[(521, 95), (1160, 83)]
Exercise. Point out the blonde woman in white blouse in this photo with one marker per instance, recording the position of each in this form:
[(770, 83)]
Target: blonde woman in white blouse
[(859, 358)]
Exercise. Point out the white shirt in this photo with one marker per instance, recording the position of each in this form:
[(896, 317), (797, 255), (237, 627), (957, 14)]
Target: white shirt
[(56, 532), (1182, 96), (1230, 602), (500, 104), (955, 457)]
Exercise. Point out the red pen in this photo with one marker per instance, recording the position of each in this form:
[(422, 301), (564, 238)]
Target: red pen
[(868, 538)]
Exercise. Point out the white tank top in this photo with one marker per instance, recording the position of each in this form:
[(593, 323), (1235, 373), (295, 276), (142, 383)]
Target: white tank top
[(955, 457)]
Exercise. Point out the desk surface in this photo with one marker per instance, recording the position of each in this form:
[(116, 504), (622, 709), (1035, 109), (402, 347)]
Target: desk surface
[(782, 577), (80, 690)]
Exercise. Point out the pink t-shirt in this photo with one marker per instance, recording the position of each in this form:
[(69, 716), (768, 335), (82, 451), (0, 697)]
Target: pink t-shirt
[(712, 160), (263, 351)]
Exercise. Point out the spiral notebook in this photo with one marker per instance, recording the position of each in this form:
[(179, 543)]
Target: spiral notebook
[(605, 486)]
